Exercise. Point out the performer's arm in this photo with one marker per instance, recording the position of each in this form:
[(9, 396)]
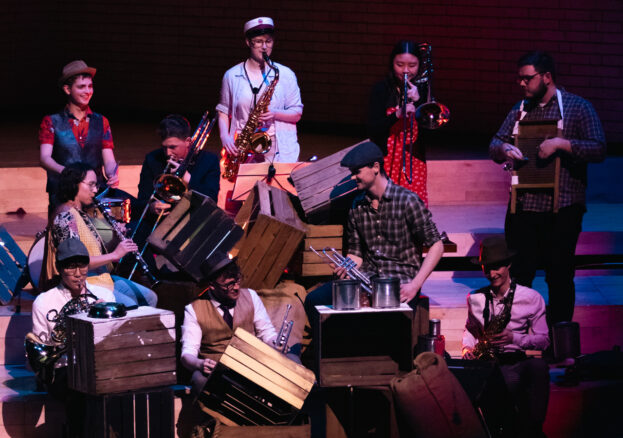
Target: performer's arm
[(111, 167), (409, 290), (191, 341), (538, 337), (501, 148), (46, 141), (469, 340), (40, 325), (226, 138), (293, 107)]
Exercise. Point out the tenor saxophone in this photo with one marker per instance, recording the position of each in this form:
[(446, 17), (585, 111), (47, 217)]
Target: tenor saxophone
[(249, 140)]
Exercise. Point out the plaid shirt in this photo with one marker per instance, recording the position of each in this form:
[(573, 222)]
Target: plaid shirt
[(390, 239), (588, 144)]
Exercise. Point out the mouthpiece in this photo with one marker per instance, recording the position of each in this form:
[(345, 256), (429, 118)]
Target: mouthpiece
[(265, 56)]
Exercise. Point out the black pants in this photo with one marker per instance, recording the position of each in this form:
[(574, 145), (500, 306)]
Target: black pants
[(528, 382), (550, 239)]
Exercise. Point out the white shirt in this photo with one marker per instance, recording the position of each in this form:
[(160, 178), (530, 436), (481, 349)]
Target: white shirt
[(191, 330), (56, 298), (527, 322)]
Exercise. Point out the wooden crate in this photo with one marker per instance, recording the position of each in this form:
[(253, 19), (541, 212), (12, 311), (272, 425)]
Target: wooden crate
[(121, 354), (254, 384), (322, 184), (192, 231), (363, 347), (272, 234), (307, 264)]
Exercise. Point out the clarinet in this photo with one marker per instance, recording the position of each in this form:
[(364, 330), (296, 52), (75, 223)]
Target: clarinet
[(153, 281)]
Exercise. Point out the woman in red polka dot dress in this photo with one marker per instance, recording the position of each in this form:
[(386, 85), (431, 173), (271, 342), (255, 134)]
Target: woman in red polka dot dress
[(386, 121)]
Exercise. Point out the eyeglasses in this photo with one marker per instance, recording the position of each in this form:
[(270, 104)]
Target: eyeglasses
[(526, 78), (80, 267), (260, 42), (92, 184), (230, 285)]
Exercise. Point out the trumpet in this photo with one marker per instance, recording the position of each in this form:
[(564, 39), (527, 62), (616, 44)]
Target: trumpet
[(281, 342), (332, 256)]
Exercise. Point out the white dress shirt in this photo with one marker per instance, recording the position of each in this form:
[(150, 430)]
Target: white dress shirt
[(191, 330), (527, 322)]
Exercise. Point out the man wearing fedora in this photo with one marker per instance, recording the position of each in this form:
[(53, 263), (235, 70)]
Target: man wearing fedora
[(504, 320), (387, 227), (76, 133), (221, 307)]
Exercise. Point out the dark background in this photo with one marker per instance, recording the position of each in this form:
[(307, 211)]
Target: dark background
[(157, 57)]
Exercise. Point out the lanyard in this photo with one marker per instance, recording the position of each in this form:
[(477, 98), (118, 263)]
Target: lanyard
[(255, 90)]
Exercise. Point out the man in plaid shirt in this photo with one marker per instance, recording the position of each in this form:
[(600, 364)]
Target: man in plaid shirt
[(387, 227), (534, 231)]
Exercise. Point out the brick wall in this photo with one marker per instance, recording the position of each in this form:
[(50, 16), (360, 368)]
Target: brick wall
[(170, 55)]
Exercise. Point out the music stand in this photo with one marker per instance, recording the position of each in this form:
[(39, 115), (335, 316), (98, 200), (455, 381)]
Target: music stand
[(250, 173)]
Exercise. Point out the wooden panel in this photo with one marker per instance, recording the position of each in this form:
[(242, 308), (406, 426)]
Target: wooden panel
[(322, 242), (135, 382), (150, 366), (137, 339), (324, 230), (133, 354)]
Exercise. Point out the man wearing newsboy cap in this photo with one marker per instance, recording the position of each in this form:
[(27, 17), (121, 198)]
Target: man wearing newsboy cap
[(504, 320), (387, 227), (76, 133)]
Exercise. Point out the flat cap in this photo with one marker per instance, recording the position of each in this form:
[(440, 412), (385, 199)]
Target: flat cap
[(361, 155), (71, 248)]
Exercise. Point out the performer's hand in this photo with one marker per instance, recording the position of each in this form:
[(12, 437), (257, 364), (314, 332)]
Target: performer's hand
[(229, 144), (413, 93), (339, 271), (408, 291), (503, 338), (468, 354), (113, 181), (124, 247), (208, 366), (410, 110), (550, 146), (157, 207), (267, 117), (512, 153)]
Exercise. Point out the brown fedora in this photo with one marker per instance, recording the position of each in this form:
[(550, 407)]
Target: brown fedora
[(75, 68), (493, 250)]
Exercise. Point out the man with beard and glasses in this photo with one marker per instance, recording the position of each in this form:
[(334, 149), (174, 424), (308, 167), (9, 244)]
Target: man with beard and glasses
[(535, 232)]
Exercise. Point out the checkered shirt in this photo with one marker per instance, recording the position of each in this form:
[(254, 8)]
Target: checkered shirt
[(390, 239), (588, 144)]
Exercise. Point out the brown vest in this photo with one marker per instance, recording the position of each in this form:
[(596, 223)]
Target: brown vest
[(216, 334)]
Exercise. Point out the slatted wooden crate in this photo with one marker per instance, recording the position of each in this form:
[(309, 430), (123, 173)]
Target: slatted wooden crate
[(323, 183), (121, 354), (253, 384), (308, 264), (272, 234), (192, 231)]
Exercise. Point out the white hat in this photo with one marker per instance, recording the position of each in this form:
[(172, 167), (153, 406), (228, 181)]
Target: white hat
[(258, 26)]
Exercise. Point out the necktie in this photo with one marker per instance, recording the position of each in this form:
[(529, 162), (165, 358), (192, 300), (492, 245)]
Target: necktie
[(227, 316)]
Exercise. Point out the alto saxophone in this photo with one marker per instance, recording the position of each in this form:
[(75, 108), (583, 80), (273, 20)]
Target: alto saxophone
[(249, 140), (484, 350)]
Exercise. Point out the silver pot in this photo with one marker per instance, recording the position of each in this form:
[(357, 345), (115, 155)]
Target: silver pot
[(386, 293), (346, 294)]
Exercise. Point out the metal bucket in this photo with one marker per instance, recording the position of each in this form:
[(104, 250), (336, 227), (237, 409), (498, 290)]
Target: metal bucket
[(346, 294), (386, 293)]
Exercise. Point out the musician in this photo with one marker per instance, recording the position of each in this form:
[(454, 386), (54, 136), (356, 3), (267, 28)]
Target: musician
[(386, 121), (386, 229), (526, 329), (244, 84), (76, 133), (175, 135), (221, 307), (535, 232), (77, 188)]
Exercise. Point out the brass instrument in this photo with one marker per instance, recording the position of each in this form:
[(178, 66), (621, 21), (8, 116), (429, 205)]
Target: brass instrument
[(170, 187), (43, 356), (281, 342), (484, 350), (431, 114), (121, 236), (249, 140), (339, 260)]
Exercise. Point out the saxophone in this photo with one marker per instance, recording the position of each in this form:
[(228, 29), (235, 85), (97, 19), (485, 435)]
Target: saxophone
[(248, 140), (484, 350), (43, 356)]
